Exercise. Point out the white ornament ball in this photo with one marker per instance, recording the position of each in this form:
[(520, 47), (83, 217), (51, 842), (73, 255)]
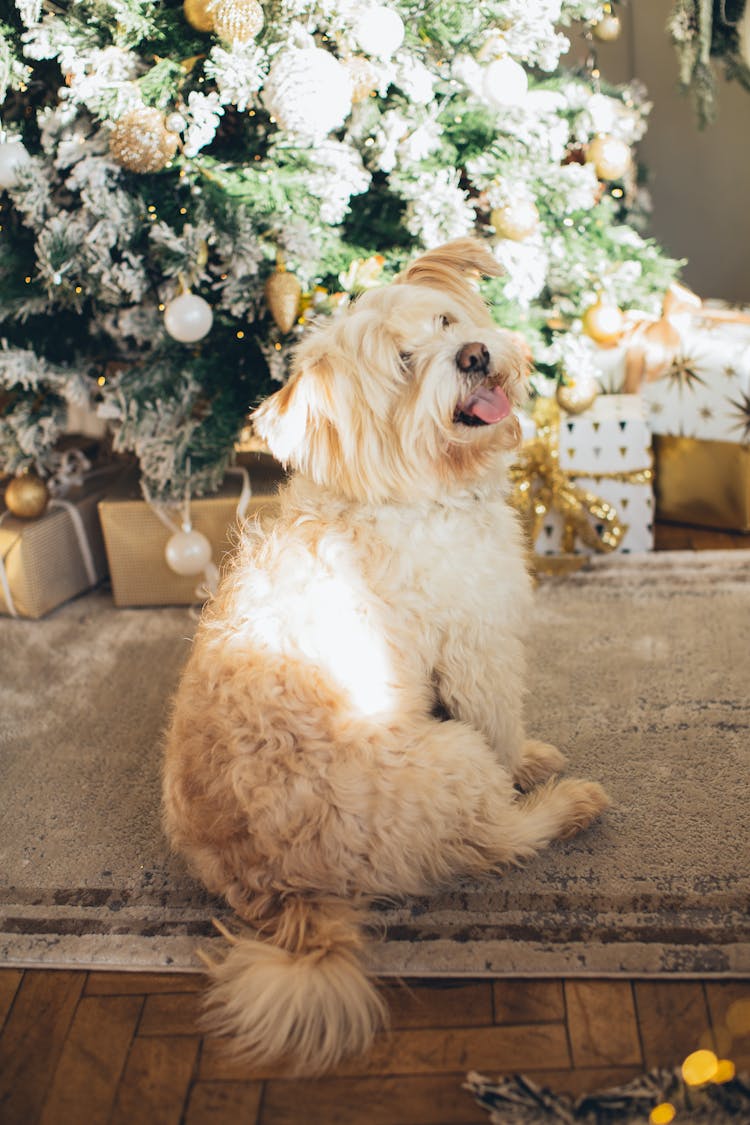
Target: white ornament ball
[(13, 156), (379, 31), (175, 122), (505, 82), (188, 318), (308, 91), (188, 552)]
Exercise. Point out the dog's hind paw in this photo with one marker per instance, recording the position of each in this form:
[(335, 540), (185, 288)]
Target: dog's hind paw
[(539, 761)]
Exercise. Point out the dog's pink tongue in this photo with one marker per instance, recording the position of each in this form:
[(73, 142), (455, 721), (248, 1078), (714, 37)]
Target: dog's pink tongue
[(488, 403)]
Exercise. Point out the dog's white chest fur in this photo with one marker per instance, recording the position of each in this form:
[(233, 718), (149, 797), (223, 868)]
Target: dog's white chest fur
[(390, 592)]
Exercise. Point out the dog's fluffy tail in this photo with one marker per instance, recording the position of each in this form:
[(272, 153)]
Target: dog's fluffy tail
[(297, 993)]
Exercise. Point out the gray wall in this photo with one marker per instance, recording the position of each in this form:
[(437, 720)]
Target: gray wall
[(699, 180)]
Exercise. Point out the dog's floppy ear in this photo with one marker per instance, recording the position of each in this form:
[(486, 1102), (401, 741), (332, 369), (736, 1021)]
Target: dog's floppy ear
[(452, 263), (296, 422)]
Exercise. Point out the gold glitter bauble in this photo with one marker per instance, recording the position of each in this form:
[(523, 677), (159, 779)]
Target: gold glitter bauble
[(237, 21), (603, 321), (364, 77), (199, 14), (283, 293), (26, 496), (576, 395), (607, 29), (610, 157), (516, 220), (141, 142)]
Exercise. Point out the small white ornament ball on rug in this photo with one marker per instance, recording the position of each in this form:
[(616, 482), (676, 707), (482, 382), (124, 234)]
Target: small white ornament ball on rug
[(308, 91), (188, 318), (505, 82), (379, 31), (13, 156), (188, 552)]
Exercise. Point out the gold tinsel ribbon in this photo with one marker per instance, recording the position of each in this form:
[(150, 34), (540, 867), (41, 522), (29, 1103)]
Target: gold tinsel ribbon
[(540, 486)]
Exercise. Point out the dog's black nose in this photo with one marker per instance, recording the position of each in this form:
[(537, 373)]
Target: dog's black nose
[(474, 358)]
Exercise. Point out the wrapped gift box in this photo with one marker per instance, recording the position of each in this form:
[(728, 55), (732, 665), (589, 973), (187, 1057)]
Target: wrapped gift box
[(604, 452), (135, 537), (696, 396), (47, 561)]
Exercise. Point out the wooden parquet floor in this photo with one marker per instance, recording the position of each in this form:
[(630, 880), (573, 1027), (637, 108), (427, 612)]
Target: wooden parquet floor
[(80, 1048), (83, 1048)]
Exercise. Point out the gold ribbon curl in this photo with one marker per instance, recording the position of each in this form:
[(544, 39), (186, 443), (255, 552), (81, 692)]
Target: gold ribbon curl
[(653, 344), (540, 486)]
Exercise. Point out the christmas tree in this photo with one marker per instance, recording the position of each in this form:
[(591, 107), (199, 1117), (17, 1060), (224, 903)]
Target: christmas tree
[(185, 189)]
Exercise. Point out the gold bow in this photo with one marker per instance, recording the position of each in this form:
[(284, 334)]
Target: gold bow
[(541, 486), (653, 345)]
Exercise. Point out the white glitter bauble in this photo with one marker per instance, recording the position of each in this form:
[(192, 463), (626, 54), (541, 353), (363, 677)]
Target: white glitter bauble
[(308, 91), (379, 31), (175, 122), (13, 156), (188, 318), (188, 552), (505, 82)]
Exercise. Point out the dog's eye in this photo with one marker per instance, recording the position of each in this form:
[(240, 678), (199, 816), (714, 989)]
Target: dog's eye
[(405, 358), (446, 321)]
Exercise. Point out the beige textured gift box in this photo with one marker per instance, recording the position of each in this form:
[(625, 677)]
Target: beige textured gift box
[(49, 560), (135, 537)]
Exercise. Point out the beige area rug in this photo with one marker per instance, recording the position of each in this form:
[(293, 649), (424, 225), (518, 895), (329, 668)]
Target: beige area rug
[(640, 671)]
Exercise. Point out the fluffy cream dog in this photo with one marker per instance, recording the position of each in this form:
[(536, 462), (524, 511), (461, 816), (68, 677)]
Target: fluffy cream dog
[(349, 723)]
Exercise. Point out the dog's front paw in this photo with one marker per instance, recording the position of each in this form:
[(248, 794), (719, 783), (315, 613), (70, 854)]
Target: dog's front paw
[(539, 761), (588, 800)]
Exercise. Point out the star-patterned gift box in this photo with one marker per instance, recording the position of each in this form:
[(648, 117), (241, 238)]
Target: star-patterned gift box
[(696, 396)]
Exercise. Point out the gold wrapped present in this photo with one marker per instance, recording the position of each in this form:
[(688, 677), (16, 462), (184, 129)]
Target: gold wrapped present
[(576, 479), (706, 483), (136, 537), (46, 561)]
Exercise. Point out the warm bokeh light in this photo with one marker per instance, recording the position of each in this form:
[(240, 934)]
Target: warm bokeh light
[(699, 1068), (662, 1114), (725, 1071)]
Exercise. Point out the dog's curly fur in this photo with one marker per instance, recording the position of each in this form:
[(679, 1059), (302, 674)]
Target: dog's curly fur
[(349, 723)]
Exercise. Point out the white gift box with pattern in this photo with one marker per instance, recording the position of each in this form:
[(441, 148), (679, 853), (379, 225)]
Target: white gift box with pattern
[(703, 390), (599, 449)]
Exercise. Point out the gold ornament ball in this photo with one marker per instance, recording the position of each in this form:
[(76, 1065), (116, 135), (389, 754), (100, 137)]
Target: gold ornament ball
[(610, 157), (603, 322), (141, 142), (516, 220), (26, 496), (199, 14), (608, 28), (283, 294), (237, 21), (576, 395)]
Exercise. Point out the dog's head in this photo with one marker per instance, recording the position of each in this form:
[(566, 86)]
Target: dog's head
[(408, 392)]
